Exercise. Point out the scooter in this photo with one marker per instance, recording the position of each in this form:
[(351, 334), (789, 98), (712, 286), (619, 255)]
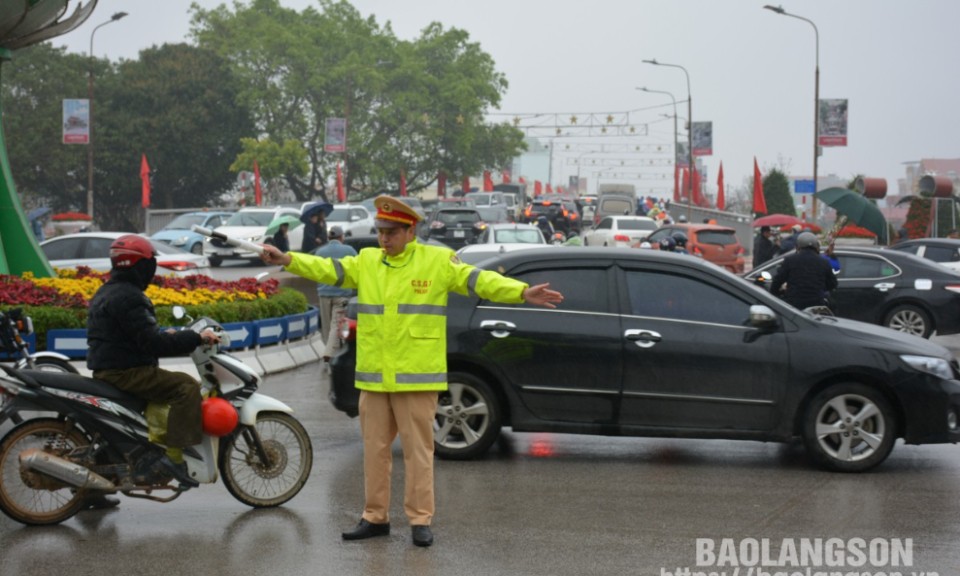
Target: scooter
[(14, 325), (100, 439)]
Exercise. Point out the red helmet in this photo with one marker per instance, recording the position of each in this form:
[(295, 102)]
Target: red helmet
[(219, 416), (129, 249)]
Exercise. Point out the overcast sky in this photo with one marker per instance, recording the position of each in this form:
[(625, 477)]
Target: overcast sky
[(751, 70)]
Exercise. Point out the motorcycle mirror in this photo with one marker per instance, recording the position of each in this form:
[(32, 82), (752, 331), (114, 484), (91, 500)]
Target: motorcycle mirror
[(261, 276), (179, 312)]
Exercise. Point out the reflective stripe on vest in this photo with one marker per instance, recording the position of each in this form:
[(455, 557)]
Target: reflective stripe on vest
[(472, 281), (338, 268), (421, 309), (370, 309), (376, 377)]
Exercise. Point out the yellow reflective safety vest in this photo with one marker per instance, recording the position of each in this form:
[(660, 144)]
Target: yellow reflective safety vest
[(402, 309)]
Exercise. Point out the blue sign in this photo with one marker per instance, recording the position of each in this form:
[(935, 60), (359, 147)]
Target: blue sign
[(313, 319), (31, 341), (804, 186), (70, 343), (297, 326), (241, 334), (270, 331)]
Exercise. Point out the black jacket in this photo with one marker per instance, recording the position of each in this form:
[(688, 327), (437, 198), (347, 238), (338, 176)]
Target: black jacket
[(122, 329), (763, 249), (808, 276)]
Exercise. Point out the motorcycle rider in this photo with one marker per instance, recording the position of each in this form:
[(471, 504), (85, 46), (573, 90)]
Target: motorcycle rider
[(546, 228), (125, 344), (809, 278), (681, 240), (668, 244)]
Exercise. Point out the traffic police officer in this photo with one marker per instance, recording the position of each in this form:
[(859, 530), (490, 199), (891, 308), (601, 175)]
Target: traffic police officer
[(402, 290)]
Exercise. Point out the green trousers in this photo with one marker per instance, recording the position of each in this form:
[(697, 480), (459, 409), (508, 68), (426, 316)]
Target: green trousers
[(177, 389)]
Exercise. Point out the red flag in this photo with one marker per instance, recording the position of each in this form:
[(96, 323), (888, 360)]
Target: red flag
[(465, 185), (505, 175), (549, 188), (487, 181), (523, 180), (341, 193), (257, 191), (441, 185), (721, 201), (144, 181), (403, 183), (676, 183), (685, 191), (697, 195), (759, 202), (537, 188)]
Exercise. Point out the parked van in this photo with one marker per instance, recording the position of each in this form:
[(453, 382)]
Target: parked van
[(610, 204)]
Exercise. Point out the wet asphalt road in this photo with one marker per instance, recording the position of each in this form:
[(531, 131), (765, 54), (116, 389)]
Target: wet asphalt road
[(538, 504)]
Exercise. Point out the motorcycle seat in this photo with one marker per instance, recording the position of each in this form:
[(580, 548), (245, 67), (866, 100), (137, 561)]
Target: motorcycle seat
[(84, 385)]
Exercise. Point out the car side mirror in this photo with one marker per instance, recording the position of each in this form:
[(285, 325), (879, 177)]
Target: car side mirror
[(762, 316)]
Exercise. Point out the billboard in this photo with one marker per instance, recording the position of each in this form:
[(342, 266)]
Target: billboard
[(832, 119), (683, 155), (703, 138), (76, 121), (335, 135)]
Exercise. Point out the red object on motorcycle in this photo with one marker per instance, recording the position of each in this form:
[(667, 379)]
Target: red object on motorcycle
[(219, 417)]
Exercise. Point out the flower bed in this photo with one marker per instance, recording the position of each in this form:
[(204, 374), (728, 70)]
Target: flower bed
[(62, 302)]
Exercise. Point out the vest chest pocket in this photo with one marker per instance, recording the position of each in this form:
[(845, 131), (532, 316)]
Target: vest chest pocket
[(425, 333)]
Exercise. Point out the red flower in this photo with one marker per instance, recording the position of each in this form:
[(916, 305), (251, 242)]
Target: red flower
[(853, 231)]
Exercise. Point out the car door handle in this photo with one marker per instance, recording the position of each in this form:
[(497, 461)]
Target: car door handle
[(885, 286), (643, 338), (498, 328)]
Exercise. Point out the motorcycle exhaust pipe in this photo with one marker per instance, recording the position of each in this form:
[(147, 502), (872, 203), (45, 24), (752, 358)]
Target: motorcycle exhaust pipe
[(64, 470)]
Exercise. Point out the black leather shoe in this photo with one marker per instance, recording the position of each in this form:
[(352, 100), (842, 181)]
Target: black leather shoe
[(366, 530), (422, 535)]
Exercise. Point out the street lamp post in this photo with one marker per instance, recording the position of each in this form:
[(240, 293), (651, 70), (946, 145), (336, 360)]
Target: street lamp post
[(816, 97), (114, 18), (689, 130), (676, 146)]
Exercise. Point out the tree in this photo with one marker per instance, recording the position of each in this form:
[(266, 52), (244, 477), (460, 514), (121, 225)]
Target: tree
[(415, 106), (179, 105), (776, 192), (35, 84)]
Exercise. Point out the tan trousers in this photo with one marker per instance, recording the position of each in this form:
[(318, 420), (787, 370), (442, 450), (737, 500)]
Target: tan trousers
[(382, 417)]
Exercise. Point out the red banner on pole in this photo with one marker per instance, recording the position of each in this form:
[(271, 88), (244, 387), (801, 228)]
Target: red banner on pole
[(441, 185), (257, 191), (721, 201), (403, 183), (759, 202), (144, 181), (341, 193)]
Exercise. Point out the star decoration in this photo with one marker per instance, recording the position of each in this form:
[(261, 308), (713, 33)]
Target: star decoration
[(573, 119), (632, 129), (516, 120), (460, 119), (609, 119)]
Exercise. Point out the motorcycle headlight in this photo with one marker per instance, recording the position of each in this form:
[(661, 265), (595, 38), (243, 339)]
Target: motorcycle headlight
[(929, 365)]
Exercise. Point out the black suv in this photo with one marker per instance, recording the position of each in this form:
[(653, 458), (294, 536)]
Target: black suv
[(455, 227), (648, 343), (562, 213)]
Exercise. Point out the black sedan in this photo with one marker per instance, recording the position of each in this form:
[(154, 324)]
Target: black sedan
[(894, 289), (657, 344)]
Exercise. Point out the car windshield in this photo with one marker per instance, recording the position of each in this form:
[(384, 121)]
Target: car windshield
[(480, 200), (250, 219), (491, 214), (637, 225), (719, 237), (458, 216), (518, 236), (339, 215), (185, 222)]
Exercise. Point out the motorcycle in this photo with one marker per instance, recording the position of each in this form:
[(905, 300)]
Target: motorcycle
[(100, 440), (14, 325)]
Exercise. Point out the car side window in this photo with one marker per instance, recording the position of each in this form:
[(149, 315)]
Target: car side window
[(676, 296), (583, 289), (605, 224), (853, 267), (60, 249), (96, 248), (940, 253)]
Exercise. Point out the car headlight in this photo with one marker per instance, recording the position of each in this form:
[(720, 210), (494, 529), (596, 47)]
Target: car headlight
[(180, 241), (929, 365)]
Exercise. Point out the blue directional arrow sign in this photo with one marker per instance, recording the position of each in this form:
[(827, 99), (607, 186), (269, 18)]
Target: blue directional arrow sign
[(241, 334), (70, 343), (269, 331), (313, 320), (296, 326)]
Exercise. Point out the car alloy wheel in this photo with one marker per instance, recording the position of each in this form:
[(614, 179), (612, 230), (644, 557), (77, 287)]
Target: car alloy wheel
[(909, 319), (468, 418), (849, 428)]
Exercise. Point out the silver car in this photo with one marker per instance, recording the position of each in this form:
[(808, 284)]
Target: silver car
[(92, 249)]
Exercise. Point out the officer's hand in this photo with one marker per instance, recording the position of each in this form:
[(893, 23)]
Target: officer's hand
[(541, 295), (273, 255)]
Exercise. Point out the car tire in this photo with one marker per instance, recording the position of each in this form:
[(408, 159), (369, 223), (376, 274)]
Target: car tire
[(216, 261), (849, 427), (910, 319), (197, 249), (468, 418)]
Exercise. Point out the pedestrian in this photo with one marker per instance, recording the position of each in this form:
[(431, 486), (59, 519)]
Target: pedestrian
[(789, 243), (764, 248), (37, 225), (808, 277), (125, 344), (401, 368), (333, 299), (314, 232), (280, 239)]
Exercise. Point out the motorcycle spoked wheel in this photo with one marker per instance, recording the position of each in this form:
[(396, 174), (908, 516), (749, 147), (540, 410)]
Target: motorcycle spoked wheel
[(30, 497), (290, 452)]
